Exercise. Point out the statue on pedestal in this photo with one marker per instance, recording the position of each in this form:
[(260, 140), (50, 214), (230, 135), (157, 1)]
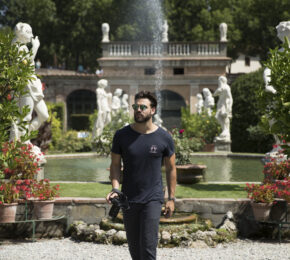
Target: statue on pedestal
[(165, 31), (105, 30), (224, 108), (104, 109), (223, 32), (199, 104), (208, 101), (116, 101), (34, 98), (124, 103)]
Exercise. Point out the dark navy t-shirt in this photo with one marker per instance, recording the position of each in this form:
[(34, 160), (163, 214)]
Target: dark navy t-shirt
[(142, 156)]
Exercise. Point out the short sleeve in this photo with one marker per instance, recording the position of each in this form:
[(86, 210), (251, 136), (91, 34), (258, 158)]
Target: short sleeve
[(169, 148), (116, 145)]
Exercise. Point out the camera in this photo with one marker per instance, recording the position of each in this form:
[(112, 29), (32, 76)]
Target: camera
[(119, 202)]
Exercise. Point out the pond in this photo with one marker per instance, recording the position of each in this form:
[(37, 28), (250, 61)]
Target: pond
[(219, 169)]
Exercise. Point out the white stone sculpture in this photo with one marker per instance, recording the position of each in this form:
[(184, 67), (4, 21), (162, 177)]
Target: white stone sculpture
[(124, 103), (105, 30), (283, 30), (104, 109), (199, 104), (34, 98), (223, 32), (224, 108), (116, 101), (165, 31), (208, 101)]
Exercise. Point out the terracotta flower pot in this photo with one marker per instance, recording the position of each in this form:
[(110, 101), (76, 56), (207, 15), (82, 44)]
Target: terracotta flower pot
[(190, 173), (261, 211), (208, 148), (43, 209), (8, 212)]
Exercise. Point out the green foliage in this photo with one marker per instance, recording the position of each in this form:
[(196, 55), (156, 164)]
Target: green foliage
[(103, 143), (276, 107), (92, 119), (246, 134), (200, 126), (70, 143), (55, 112), (15, 71)]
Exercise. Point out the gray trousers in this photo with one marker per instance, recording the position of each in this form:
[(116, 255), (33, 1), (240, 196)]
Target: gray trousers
[(142, 223)]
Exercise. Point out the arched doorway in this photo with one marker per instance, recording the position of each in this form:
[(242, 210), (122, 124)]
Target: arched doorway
[(80, 104), (171, 104)]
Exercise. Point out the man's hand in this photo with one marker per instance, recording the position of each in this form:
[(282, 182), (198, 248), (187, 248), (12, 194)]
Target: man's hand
[(112, 194), (169, 208)]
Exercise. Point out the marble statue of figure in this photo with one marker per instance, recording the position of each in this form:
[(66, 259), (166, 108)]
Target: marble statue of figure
[(104, 109), (105, 30), (224, 108), (34, 98), (208, 101), (283, 30), (124, 103), (223, 32), (116, 101), (165, 31), (199, 104), (158, 121)]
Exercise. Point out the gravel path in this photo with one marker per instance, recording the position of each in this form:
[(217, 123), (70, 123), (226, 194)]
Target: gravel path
[(68, 249)]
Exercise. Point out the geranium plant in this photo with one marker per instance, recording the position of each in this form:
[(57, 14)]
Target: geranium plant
[(42, 190), (9, 193), (17, 161), (276, 170), (264, 193), (284, 189)]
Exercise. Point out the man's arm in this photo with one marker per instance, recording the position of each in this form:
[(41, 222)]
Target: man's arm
[(115, 173), (171, 183)]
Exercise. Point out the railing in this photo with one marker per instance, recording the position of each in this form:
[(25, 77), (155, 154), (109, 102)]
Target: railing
[(175, 49)]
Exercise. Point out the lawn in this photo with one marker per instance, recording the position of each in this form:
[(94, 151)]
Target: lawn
[(202, 190)]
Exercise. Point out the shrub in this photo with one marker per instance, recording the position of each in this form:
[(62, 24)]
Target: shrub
[(200, 126), (246, 134)]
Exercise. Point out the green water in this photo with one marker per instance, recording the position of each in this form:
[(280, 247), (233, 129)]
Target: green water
[(95, 169)]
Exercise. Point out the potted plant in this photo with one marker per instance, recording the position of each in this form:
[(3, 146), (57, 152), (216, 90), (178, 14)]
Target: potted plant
[(187, 173), (44, 197), (284, 190), (262, 197), (17, 161), (276, 169), (9, 194)]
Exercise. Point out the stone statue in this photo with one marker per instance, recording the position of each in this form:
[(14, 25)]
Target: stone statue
[(165, 31), (104, 109), (223, 32), (208, 101), (158, 121), (124, 103), (224, 108), (283, 30), (105, 30), (34, 98), (116, 101), (199, 104)]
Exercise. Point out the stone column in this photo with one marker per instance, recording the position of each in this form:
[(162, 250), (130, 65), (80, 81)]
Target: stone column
[(194, 87)]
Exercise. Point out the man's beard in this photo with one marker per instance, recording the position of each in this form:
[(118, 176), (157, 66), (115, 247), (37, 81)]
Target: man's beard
[(141, 119)]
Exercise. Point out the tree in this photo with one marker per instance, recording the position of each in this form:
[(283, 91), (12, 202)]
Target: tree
[(246, 135)]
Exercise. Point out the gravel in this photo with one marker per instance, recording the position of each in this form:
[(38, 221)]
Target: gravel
[(68, 249)]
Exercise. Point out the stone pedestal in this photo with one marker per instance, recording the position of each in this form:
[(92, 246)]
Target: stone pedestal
[(222, 146)]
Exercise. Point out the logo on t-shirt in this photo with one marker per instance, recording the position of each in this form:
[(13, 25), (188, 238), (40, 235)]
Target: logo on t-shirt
[(153, 148)]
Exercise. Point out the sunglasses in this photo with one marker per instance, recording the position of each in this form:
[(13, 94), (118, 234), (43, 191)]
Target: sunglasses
[(142, 107)]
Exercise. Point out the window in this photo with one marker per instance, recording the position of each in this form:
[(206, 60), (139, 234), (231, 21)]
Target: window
[(149, 71), (247, 61), (178, 71)]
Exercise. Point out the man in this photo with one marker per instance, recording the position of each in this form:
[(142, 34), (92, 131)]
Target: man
[(143, 146)]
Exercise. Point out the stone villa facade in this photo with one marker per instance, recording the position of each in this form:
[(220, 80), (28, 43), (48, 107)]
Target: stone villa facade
[(183, 68)]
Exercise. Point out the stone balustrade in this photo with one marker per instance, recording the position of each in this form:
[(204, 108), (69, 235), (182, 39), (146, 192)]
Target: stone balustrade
[(173, 49)]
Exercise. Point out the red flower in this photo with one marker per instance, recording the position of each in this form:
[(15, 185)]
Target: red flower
[(181, 131), (9, 97)]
